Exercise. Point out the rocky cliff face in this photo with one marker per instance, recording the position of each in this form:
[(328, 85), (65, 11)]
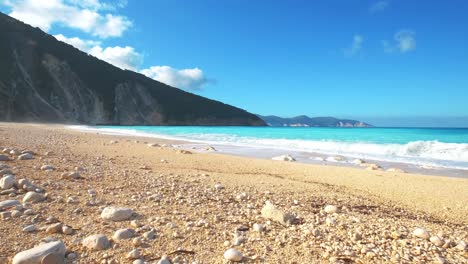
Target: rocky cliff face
[(45, 80), (305, 121)]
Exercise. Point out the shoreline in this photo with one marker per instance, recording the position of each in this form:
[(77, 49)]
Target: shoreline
[(300, 156), (208, 202)]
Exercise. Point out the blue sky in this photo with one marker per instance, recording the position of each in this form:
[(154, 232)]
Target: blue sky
[(385, 61)]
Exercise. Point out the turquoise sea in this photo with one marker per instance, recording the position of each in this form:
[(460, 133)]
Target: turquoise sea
[(439, 147)]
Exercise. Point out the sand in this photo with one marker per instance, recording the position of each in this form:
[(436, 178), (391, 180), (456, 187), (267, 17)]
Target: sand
[(175, 194)]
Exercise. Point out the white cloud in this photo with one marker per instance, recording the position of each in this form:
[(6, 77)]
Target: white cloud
[(122, 57), (82, 15), (128, 58), (404, 41), (84, 45), (379, 6), (189, 79), (355, 47)]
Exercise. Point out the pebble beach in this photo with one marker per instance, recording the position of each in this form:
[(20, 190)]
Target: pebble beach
[(73, 197)]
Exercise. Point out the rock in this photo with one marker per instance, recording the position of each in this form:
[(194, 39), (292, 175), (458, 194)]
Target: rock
[(47, 168), (30, 228), (71, 175), (116, 214), (270, 211), (164, 260), (330, 209), (137, 241), (258, 227), (138, 261), (209, 148), (67, 230), (421, 233), (233, 255), (25, 156), (54, 228), (5, 172), (125, 233), (182, 151), (284, 158), (436, 241), (358, 161), (371, 166), (33, 197), (8, 203), (461, 246), (7, 182), (96, 242), (39, 253), (335, 159), (218, 186), (150, 235), (134, 254), (4, 158)]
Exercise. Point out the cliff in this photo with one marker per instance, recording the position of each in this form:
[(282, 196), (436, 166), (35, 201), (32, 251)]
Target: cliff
[(305, 121), (45, 80)]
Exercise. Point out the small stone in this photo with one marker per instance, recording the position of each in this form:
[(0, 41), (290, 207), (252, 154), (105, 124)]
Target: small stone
[(233, 255), (270, 211), (54, 228), (16, 213), (436, 241), (461, 246), (25, 156), (284, 158), (116, 214), (218, 186), (67, 230), (4, 158), (164, 260), (134, 254), (138, 261), (33, 197), (47, 168), (8, 204), (71, 256), (96, 242), (7, 182), (125, 233), (30, 228), (150, 235), (421, 233), (330, 209), (137, 241), (258, 227), (37, 254)]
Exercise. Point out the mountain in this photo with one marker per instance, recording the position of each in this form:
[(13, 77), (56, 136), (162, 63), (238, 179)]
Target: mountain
[(45, 80), (305, 121)]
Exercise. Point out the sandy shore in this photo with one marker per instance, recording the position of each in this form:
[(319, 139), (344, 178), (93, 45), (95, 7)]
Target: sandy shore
[(206, 203)]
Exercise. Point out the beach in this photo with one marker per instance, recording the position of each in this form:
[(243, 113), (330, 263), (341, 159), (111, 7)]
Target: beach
[(199, 204)]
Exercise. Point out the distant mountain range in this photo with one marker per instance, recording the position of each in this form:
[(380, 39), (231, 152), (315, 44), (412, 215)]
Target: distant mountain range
[(45, 80), (305, 121)]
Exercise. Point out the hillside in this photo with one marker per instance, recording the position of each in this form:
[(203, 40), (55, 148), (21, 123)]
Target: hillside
[(305, 121), (45, 80)]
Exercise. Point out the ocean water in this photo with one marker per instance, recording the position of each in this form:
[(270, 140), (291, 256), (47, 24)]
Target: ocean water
[(437, 147)]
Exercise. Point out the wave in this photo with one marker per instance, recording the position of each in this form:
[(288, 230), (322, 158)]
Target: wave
[(431, 153)]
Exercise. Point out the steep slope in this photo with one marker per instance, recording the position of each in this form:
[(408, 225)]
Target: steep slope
[(45, 80), (306, 121)]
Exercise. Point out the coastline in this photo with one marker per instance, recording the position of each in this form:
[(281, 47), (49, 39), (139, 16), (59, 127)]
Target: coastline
[(300, 156), (125, 171)]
